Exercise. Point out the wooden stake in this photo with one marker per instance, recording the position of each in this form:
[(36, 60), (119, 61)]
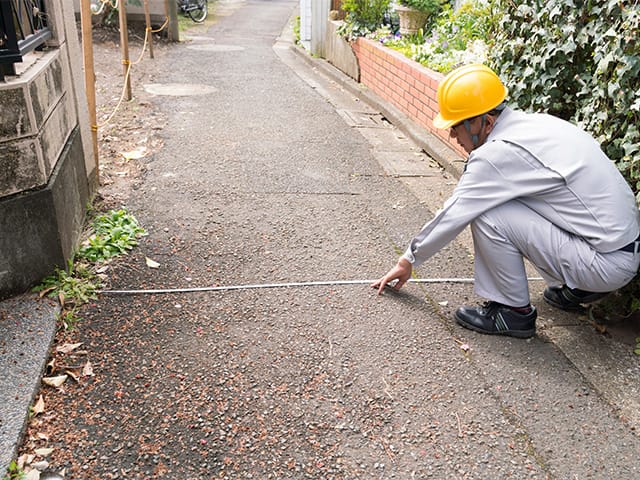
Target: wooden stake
[(89, 75), (148, 34), (171, 10), (124, 46)]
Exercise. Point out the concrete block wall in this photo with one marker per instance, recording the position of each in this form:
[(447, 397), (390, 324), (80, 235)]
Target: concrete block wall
[(305, 23), (404, 83), (338, 51), (319, 19), (49, 170)]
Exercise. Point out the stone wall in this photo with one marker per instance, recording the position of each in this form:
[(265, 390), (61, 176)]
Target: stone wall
[(35, 124), (49, 171)]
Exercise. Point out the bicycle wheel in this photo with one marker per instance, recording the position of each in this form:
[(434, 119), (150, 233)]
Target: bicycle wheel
[(198, 10)]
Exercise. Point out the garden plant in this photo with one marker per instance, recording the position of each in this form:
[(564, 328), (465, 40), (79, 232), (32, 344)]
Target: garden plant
[(455, 37), (427, 6), (363, 17)]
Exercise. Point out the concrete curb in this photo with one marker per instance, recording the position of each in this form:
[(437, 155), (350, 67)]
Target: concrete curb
[(27, 330)]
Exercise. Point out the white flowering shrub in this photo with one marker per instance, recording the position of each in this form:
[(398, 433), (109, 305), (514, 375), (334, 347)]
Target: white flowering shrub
[(457, 38)]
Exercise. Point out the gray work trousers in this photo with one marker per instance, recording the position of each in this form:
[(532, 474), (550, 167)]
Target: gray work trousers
[(505, 235)]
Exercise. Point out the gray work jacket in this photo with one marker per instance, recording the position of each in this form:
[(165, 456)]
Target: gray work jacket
[(551, 166)]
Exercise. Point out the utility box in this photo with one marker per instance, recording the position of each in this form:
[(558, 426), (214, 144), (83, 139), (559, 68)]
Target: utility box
[(319, 18), (314, 15), (305, 24)]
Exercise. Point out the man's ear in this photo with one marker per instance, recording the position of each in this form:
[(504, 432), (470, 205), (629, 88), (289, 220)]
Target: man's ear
[(490, 123)]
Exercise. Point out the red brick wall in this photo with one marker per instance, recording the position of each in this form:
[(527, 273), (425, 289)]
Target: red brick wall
[(406, 84)]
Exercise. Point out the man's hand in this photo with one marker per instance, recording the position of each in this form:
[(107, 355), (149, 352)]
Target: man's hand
[(401, 272)]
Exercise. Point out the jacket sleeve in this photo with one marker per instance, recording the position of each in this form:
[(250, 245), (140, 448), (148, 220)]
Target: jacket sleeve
[(496, 173)]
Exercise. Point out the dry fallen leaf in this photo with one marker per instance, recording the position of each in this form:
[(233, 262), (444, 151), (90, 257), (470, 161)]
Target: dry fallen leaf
[(51, 366), (55, 381), (600, 328), (46, 291), (68, 347), (23, 460), (151, 263), (61, 298), (73, 375), (32, 475), (41, 466), (43, 452), (87, 370), (39, 406), (42, 436), (136, 154)]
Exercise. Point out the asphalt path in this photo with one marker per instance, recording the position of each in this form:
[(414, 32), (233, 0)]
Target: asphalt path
[(262, 180)]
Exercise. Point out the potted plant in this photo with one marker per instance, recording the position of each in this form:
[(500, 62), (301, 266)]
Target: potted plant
[(414, 14)]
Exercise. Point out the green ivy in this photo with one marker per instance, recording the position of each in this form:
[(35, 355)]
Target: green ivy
[(579, 60)]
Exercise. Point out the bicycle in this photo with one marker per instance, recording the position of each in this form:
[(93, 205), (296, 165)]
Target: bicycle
[(197, 10)]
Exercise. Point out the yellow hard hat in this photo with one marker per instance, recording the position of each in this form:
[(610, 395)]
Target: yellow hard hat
[(467, 92)]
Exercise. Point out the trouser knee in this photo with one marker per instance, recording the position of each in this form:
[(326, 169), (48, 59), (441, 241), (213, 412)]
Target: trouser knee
[(489, 224)]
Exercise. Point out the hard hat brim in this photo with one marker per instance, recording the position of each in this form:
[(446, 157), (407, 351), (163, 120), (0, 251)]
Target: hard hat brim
[(441, 123)]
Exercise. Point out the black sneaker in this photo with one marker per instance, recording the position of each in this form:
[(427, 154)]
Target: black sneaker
[(494, 318), (570, 299)]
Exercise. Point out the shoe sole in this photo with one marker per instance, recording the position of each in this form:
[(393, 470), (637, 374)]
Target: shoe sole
[(567, 308), (508, 333)]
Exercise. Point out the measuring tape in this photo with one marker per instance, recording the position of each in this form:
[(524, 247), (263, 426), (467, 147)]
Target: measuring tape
[(282, 285)]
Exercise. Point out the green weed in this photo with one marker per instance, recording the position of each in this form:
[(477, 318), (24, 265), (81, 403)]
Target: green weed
[(14, 472), (296, 29), (114, 233), (111, 234), (72, 287), (78, 284)]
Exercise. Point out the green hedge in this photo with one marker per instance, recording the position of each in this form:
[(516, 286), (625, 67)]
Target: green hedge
[(579, 60)]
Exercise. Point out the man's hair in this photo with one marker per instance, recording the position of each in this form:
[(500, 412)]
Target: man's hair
[(495, 112)]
